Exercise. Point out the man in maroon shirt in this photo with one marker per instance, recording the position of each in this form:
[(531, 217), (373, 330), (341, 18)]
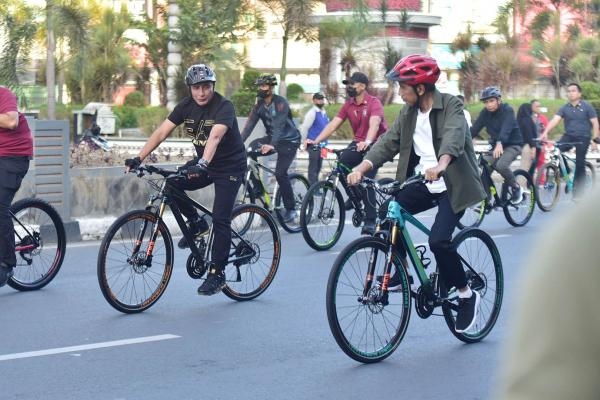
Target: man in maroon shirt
[(364, 112), (16, 149)]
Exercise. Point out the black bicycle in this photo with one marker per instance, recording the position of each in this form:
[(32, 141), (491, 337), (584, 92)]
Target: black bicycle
[(40, 243), (368, 317), (254, 188), (323, 211), (135, 261), (516, 213)]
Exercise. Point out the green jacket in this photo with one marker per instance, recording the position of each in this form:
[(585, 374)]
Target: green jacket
[(450, 136)]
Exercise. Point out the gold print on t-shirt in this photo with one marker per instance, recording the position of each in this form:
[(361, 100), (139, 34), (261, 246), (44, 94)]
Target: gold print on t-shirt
[(200, 135)]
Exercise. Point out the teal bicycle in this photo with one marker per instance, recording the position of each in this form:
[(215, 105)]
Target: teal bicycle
[(368, 319)]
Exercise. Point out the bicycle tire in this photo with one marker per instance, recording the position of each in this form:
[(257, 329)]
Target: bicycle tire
[(473, 216), (130, 282), (477, 249), (367, 331), (299, 187), (519, 214), (250, 280), (43, 241), (547, 186), (319, 227), (590, 176)]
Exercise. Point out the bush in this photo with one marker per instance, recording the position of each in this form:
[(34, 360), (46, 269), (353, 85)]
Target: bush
[(126, 117), (590, 90), (149, 118), (243, 101), (135, 99), (294, 91)]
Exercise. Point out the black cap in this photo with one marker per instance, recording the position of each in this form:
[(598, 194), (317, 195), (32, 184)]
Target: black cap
[(318, 96), (356, 77)]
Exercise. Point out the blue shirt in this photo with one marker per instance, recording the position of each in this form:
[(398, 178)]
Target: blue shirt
[(577, 118)]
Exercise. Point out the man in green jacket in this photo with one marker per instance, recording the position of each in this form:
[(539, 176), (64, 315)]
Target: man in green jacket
[(431, 136)]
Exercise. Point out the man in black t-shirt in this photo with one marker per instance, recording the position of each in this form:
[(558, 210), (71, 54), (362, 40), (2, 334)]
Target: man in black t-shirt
[(209, 121)]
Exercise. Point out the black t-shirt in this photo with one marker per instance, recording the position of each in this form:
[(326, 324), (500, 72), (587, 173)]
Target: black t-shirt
[(198, 121)]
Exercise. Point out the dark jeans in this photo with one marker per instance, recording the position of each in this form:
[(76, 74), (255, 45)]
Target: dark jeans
[(13, 170), (415, 199), (315, 162), (581, 149), (226, 188), (351, 158)]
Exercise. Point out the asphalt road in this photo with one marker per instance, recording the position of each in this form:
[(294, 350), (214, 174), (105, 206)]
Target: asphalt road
[(65, 341)]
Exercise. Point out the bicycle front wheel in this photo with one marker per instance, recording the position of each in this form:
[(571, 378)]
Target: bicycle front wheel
[(548, 186), (482, 264), (40, 244), (255, 251), (133, 271), (366, 323), (322, 216), (518, 214), (299, 188)]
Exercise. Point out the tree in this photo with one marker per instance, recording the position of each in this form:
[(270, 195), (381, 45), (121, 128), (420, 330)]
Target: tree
[(292, 15)]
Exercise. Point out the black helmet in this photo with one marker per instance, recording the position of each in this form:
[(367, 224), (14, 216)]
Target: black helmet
[(489, 92), (266, 79), (199, 73)]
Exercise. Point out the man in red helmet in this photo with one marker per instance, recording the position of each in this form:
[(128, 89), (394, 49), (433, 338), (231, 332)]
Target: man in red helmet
[(431, 136)]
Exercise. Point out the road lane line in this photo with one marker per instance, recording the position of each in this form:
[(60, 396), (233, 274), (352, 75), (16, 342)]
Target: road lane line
[(84, 347)]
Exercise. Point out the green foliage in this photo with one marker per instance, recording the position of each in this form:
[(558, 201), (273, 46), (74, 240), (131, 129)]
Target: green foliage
[(135, 99), (243, 101), (149, 118), (126, 116), (590, 90), (294, 91)]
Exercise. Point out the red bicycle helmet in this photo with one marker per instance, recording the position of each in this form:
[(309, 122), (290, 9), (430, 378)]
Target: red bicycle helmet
[(415, 69)]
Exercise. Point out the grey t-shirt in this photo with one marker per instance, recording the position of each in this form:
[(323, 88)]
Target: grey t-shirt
[(577, 118)]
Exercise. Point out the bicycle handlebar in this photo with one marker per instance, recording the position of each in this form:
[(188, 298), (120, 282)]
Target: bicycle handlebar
[(395, 186)]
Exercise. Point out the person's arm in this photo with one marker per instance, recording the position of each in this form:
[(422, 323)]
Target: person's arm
[(9, 114), (551, 125), (9, 120), (309, 119), (477, 125), (214, 138), (158, 136), (374, 123), (250, 122), (595, 132), (328, 130)]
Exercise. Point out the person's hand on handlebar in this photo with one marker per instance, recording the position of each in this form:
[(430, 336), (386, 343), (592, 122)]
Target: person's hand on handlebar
[(362, 146), (354, 178), (265, 148), (132, 164)]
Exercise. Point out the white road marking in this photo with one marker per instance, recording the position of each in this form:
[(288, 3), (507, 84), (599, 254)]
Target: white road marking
[(84, 347)]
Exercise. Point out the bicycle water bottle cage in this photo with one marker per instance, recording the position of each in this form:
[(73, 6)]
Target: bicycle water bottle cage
[(421, 250)]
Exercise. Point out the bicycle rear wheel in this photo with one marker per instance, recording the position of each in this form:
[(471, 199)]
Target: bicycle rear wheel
[(473, 216), (518, 214), (40, 244), (483, 267), (322, 216), (299, 188), (130, 279), (590, 176), (548, 187), (258, 250), (367, 328)]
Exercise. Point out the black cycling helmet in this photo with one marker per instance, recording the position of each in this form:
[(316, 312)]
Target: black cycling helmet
[(489, 92), (199, 73), (266, 79)]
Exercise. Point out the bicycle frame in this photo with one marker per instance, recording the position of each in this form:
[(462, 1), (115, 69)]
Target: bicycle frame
[(254, 168), (23, 248)]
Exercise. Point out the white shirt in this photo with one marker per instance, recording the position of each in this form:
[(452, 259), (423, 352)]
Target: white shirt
[(423, 144)]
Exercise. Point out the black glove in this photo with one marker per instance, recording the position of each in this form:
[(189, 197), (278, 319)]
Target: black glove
[(194, 171), (133, 163)]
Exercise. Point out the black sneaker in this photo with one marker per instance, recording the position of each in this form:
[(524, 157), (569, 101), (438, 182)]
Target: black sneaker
[(198, 228), (368, 227), (467, 312), (214, 283), (5, 274)]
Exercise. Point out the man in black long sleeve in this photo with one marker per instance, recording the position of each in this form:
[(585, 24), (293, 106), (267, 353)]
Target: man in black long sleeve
[(282, 135), (505, 137)]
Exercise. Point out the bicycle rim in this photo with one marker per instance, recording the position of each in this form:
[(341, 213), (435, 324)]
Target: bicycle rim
[(322, 216), (252, 276), (131, 281), (40, 244), (518, 214), (548, 187), (477, 250), (473, 216), (299, 188), (366, 329)]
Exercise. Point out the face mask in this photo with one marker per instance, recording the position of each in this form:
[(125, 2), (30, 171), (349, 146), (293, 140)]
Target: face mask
[(262, 93), (351, 92), (320, 105)]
